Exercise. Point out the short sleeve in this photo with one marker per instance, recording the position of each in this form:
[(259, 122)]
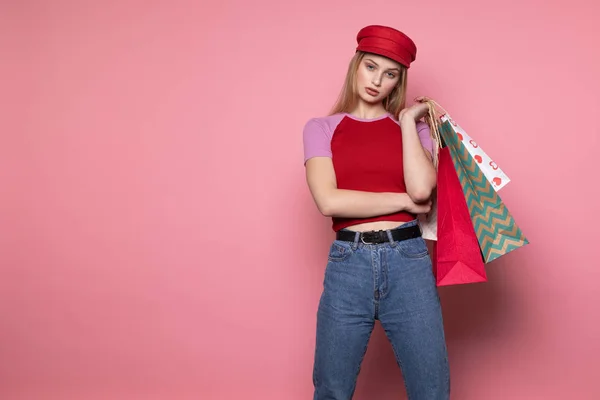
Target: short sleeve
[(317, 140), (425, 136)]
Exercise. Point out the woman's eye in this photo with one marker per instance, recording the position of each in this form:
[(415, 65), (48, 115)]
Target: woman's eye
[(370, 66), (391, 75)]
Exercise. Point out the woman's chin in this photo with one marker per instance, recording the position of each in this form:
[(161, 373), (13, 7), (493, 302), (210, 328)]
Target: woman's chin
[(370, 99)]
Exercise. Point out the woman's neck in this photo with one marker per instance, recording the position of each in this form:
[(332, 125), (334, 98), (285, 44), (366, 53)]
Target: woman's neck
[(369, 111)]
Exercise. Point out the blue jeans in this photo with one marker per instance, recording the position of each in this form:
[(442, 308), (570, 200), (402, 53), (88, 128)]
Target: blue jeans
[(394, 283)]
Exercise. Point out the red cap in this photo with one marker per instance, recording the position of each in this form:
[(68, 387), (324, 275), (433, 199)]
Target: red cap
[(387, 42)]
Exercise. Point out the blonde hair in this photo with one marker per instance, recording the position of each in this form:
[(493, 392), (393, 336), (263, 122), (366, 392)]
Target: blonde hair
[(348, 97)]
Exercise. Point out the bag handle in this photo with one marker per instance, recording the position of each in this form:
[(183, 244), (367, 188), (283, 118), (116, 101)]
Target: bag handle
[(433, 119)]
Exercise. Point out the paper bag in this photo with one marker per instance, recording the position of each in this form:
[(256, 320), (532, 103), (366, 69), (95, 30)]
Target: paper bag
[(492, 172), (495, 228), (490, 169), (456, 255)]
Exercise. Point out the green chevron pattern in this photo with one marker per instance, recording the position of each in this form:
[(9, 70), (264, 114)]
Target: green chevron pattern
[(496, 230)]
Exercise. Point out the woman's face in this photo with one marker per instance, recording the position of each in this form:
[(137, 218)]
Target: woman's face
[(376, 77)]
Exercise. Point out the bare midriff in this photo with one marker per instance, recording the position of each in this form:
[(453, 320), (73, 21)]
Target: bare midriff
[(375, 226)]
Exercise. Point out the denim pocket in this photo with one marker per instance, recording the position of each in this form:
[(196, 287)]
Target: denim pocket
[(413, 248), (340, 250)]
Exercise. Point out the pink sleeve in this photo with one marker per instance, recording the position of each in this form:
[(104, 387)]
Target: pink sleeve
[(425, 136), (317, 139)]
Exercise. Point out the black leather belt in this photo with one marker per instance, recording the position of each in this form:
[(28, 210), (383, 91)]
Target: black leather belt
[(376, 237)]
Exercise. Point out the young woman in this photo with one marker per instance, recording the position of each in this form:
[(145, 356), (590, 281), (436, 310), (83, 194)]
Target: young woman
[(369, 167)]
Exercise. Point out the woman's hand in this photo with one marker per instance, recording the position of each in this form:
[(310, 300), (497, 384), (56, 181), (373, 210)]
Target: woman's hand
[(416, 111), (417, 208)]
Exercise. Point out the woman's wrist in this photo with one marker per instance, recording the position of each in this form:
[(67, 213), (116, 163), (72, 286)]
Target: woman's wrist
[(407, 119), (403, 201)]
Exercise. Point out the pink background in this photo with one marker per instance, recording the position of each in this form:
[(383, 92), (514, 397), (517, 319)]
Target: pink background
[(158, 240)]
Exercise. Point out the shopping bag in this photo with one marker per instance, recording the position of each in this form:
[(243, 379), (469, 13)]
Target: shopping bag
[(495, 228), (492, 172), (456, 255), (428, 221)]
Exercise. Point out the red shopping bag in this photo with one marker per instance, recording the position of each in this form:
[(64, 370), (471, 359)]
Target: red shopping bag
[(457, 258)]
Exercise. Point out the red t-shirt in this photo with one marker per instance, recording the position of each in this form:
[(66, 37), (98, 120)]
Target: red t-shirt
[(366, 155)]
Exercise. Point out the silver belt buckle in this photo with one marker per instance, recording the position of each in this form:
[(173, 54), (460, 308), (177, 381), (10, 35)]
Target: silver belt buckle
[(368, 233), (362, 239)]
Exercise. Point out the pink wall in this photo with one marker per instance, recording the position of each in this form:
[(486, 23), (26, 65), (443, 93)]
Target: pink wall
[(158, 240)]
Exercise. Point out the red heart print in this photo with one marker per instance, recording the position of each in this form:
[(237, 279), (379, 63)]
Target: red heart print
[(497, 181), (473, 143), (460, 136), (478, 158), (493, 165)]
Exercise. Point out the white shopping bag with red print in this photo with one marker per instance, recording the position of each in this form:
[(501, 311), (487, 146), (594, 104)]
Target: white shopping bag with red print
[(492, 172), (490, 169)]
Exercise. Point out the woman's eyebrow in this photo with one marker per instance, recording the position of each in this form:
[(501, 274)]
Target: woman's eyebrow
[(389, 69)]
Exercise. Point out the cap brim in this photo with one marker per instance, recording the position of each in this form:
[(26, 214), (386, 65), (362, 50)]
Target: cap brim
[(386, 53)]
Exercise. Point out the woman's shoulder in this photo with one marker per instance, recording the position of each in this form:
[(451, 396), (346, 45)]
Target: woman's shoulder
[(318, 132), (324, 124), (327, 119)]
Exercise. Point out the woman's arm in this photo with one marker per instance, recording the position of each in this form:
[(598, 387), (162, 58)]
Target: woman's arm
[(334, 202), (419, 173)]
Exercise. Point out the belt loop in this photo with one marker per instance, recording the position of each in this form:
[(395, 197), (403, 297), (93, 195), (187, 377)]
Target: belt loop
[(390, 237), (356, 240)]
